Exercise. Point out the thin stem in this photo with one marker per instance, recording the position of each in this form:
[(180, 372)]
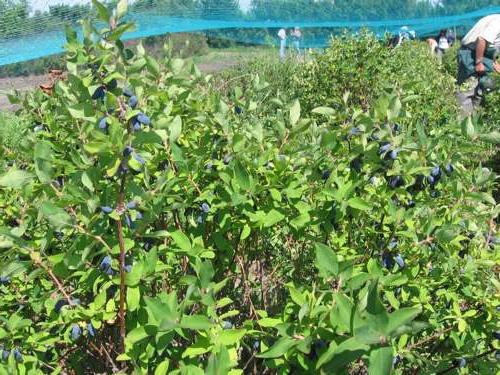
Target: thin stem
[(121, 242)]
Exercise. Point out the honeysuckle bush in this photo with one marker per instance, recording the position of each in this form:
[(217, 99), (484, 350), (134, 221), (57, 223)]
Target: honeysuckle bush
[(153, 225)]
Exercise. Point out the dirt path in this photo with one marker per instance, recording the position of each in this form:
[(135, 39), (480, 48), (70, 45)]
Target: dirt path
[(31, 82)]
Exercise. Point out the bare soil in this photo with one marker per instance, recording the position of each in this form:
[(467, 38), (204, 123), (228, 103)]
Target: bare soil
[(32, 82)]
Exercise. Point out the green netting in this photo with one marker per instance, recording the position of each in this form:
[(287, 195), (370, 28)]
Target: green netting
[(33, 28)]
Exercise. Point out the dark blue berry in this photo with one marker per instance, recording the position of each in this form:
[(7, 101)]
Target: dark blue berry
[(387, 261), (393, 244), (5, 354), (396, 182), (131, 205), (396, 128), (76, 332), (384, 147), (106, 209), (127, 151), (138, 215), (112, 84), (431, 180), (137, 126), (4, 280), (238, 110), (132, 102), (60, 304), (128, 268), (226, 324), (91, 329), (200, 219), (356, 164), (411, 204), (17, 355), (496, 335), (99, 93), (396, 360), (449, 168), (461, 362), (436, 172), (209, 166), (394, 154), (326, 175), (205, 207), (105, 263), (435, 194)]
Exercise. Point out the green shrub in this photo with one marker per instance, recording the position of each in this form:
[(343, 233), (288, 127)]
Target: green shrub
[(159, 226)]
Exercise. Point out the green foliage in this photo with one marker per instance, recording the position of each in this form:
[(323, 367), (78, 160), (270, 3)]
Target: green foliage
[(189, 231)]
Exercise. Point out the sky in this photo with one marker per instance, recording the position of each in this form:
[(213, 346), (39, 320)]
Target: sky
[(43, 5)]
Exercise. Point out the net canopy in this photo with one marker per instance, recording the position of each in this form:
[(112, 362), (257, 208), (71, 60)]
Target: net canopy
[(31, 29)]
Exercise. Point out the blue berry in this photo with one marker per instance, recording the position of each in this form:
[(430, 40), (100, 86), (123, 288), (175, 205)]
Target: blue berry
[(17, 355), (128, 268), (128, 92), (105, 263), (411, 204), (143, 119), (4, 280), (393, 244), (496, 335), (461, 362), (91, 329), (132, 102), (38, 128), (449, 168), (138, 215), (354, 132), (396, 128), (226, 324), (60, 304), (103, 123), (396, 360), (139, 159), (436, 172), (394, 154), (396, 181), (387, 261), (99, 93), (238, 110), (137, 126), (112, 84), (200, 219), (400, 261), (205, 207), (127, 151), (131, 205), (384, 148), (106, 209), (326, 175), (76, 332), (5, 354), (431, 180), (209, 166)]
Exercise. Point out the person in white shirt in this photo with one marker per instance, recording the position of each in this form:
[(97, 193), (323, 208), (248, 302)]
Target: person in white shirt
[(282, 37), (480, 47)]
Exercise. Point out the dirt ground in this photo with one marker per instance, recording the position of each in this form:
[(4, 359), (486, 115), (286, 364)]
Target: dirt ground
[(31, 82)]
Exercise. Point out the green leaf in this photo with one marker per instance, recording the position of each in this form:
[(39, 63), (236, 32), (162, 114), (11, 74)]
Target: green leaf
[(56, 216), (102, 11), (279, 348), (162, 368), (326, 111), (337, 357), (468, 127), (358, 204), (175, 129), (181, 240), (133, 298), (230, 337), (242, 176), (326, 261), (43, 161), (380, 361), (273, 217), (401, 317), (196, 322), (493, 137), (15, 178), (121, 8), (82, 111), (135, 275), (295, 113), (269, 322), (87, 182)]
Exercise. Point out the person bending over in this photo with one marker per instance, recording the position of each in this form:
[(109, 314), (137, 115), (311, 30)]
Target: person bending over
[(479, 50)]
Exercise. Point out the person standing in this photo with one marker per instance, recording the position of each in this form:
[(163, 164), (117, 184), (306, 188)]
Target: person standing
[(478, 53), (282, 37), (296, 37)]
